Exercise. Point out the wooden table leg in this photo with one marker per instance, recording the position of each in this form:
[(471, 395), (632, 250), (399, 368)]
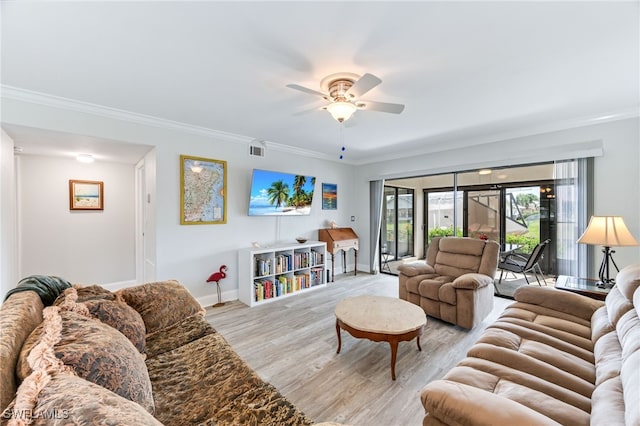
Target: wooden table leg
[(355, 255), (339, 340), (333, 265), (419, 348), (394, 351)]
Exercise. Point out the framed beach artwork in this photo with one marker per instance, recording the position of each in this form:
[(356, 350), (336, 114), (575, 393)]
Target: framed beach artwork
[(203, 191), (329, 196), (86, 195)]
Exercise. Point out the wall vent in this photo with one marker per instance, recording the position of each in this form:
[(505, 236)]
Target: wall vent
[(256, 151)]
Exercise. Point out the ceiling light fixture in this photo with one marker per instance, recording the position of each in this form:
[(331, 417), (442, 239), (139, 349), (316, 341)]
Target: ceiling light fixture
[(341, 110), (484, 171), (85, 158)]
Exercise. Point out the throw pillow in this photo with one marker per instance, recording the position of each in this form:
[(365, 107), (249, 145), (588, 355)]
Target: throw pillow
[(90, 292), (96, 352), (122, 317), (161, 304), (115, 313)]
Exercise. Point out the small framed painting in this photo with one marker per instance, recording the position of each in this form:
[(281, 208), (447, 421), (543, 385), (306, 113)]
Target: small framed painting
[(86, 195), (329, 196), (203, 191)]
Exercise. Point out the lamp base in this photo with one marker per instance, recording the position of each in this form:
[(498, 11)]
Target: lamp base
[(605, 281), (605, 284)]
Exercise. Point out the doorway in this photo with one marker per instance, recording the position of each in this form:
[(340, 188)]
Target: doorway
[(397, 233)]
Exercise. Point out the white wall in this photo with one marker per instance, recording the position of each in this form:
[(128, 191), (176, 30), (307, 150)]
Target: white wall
[(190, 253), (617, 174), (83, 246), (8, 224)]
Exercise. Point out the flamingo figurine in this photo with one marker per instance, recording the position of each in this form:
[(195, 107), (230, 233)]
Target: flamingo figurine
[(216, 277)]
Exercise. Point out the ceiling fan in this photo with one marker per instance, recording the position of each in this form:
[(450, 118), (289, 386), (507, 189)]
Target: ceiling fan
[(343, 91)]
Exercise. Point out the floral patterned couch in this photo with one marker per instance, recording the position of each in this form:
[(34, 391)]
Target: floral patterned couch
[(143, 355)]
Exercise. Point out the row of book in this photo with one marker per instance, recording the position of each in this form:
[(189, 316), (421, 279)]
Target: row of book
[(285, 262), (285, 284)]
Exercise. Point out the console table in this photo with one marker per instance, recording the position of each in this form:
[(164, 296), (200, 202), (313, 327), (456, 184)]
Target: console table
[(585, 286)]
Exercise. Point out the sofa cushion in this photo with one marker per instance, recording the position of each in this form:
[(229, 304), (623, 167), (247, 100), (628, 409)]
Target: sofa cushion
[(628, 281), (412, 269), (564, 302), (455, 403), (161, 304), (70, 400), (19, 316), (215, 373), (96, 352), (179, 334), (430, 287)]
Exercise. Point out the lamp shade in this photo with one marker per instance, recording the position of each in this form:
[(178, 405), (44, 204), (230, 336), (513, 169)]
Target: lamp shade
[(341, 111), (608, 231)]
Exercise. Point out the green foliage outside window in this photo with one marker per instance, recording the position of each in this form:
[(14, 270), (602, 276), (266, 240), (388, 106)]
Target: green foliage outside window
[(527, 242), (443, 232)]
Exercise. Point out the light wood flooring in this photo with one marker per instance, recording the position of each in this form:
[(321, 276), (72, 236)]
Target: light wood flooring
[(291, 343)]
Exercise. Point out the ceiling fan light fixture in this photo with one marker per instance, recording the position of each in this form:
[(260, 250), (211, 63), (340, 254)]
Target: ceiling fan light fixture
[(341, 110)]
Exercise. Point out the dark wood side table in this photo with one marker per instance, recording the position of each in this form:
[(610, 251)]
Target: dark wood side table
[(585, 286)]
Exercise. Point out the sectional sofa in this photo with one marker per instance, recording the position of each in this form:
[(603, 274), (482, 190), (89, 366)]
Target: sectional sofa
[(553, 357)]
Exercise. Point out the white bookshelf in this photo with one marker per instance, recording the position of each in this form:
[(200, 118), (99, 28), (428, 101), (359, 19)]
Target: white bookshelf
[(267, 274)]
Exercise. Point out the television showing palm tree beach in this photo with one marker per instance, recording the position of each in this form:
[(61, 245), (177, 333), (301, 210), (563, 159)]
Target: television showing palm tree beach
[(278, 193)]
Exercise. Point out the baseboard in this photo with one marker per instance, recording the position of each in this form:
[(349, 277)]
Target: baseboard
[(119, 284), (212, 299)]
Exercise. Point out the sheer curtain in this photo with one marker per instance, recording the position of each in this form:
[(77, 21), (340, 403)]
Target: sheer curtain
[(574, 205), (376, 189)]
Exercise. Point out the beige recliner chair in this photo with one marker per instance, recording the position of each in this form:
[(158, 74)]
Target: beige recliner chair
[(455, 282)]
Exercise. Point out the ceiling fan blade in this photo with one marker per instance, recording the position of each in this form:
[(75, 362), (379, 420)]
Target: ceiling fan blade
[(307, 111), (380, 106), (307, 90), (363, 85)]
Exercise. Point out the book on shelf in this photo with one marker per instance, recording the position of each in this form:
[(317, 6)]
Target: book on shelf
[(263, 266)]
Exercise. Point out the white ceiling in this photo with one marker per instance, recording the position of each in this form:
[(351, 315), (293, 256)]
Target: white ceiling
[(466, 71)]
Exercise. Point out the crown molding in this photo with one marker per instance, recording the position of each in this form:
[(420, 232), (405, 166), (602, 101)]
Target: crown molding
[(44, 99), (443, 142)]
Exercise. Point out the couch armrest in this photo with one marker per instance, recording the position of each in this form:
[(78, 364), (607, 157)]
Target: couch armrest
[(459, 404), (559, 300), (472, 281), (415, 268), (161, 304)]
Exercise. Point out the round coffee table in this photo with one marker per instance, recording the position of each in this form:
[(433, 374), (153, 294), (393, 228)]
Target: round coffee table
[(380, 319)]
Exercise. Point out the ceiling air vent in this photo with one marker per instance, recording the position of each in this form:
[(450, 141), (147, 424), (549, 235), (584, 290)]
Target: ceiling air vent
[(256, 151)]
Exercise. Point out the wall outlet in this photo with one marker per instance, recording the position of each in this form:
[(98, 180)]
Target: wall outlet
[(353, 218)]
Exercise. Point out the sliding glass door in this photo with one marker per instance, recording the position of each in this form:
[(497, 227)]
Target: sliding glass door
[(396, 238), (439, 219), (520, 205), (483, 214)]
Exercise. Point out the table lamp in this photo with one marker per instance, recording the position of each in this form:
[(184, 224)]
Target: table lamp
[(607, 231)]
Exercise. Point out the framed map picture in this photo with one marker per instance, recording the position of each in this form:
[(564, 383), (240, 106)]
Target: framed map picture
[(86, 195), (203, 191), (329, 196)]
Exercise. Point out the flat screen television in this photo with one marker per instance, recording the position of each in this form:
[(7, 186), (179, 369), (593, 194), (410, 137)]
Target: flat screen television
[(278, 193)]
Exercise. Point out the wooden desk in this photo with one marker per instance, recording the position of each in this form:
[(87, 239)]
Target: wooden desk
[(584, 286), (340, 239)]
